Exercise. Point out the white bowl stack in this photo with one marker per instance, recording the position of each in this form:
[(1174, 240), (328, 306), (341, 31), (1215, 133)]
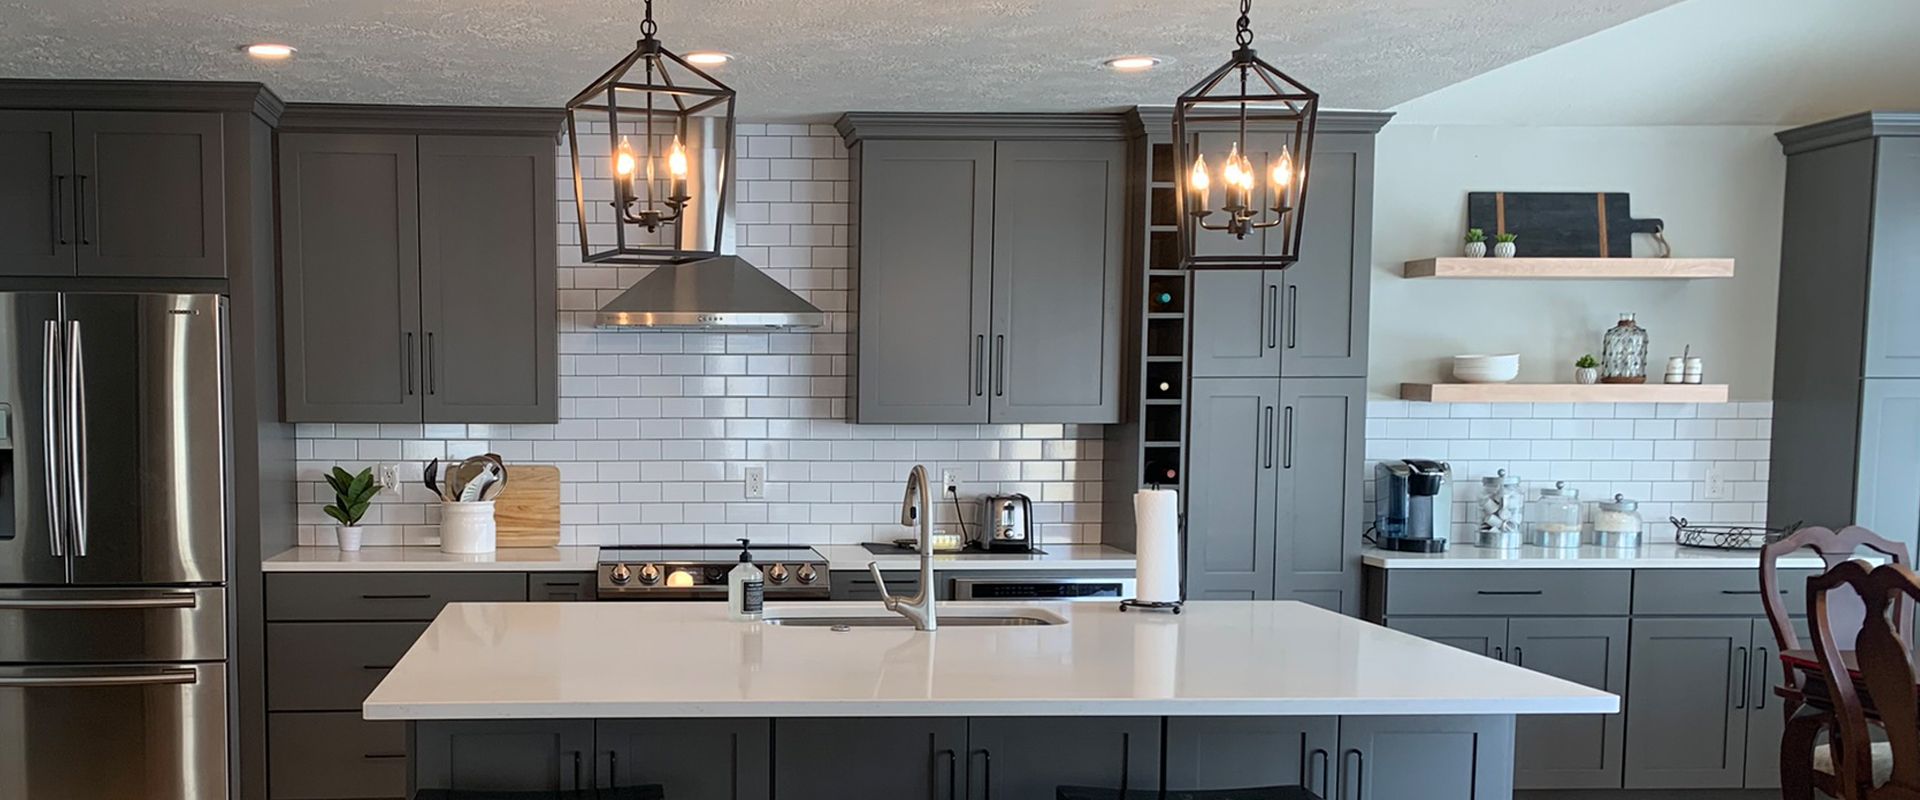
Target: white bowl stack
[(1487, 368)]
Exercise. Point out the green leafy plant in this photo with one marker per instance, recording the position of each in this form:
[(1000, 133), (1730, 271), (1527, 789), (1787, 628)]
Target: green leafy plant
[(352, 494), (1586, 362), (1476, 235), (1506, 238)]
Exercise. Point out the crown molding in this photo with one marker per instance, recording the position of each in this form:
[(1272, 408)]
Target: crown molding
[(1850, 128)]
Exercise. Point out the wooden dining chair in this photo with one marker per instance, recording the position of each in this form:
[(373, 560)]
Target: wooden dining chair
[(1806, 764), (1866, 770)]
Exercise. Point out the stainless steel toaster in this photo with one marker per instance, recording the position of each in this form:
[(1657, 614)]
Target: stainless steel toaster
[(1006, 523)]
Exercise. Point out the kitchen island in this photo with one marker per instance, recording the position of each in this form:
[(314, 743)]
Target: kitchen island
[(1227, 694)]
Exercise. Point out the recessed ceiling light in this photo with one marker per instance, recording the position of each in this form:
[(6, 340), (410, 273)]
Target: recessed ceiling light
[(708, 58), (1132, 63), (268, 51)]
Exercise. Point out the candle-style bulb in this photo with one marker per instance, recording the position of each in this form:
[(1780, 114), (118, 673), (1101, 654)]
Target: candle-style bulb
[(623, 159), (1283, 169), (1197, 179), (1231, 173), (677, 160)]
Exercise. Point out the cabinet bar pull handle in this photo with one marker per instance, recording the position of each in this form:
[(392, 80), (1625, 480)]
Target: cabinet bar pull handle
[(1286, 452), (576, 770), (395, 596), (1499, 654), (999, 365), (431, 382), (1320, 753), (1761, 654), (986, 774), (1509, 592), (979, 364), (376, 667), (1519, 656), (1271, 305), (85, 238), (384, 755), (410, 355), (59, 212), (1126, 763), (1358, 779), (1746, 674), (50, 397), (613, 769), (1293, 316), (1266, 437), (933, 781)]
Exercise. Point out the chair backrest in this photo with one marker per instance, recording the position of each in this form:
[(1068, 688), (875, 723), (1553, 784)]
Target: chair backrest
[(1881, 653), (1833, 548)]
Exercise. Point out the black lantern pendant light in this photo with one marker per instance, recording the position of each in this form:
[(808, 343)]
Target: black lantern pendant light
[(669, 144), (1259, 124)]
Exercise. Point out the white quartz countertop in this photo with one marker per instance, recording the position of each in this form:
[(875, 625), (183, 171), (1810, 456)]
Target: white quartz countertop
[(1053, 557), (613, 660), (1657, 555), (430, 559)]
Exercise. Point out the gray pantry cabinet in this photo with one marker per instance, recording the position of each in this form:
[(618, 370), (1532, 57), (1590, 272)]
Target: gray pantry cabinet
[(1273, 498), (988, 268), (418, 266), (117, 194), (1846, 414)]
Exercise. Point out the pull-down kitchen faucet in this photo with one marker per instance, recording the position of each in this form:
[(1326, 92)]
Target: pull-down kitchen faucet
[(915, 509)]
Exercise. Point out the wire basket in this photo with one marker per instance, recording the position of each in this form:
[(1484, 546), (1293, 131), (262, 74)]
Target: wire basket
[(1727, 537)]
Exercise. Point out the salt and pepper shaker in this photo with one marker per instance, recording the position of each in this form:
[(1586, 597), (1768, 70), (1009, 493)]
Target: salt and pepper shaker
[(1686, 367), (1676, 369)]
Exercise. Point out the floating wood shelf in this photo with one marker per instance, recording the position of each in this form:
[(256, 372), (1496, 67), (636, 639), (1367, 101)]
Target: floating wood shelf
[(1564, 392), (1575, 268)]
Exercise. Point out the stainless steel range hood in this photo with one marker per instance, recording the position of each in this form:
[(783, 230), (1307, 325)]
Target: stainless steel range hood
[(719, 293)]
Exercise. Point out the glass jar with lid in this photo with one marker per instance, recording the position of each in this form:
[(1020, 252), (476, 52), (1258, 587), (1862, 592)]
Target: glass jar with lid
[(1553, 521), (1623, 352), (1501, 504), (1617, 523)]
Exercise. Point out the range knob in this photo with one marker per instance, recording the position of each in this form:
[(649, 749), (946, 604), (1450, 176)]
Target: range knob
[(619, 574), (649, 574), (716, 574), (777, 573), (806, 573)]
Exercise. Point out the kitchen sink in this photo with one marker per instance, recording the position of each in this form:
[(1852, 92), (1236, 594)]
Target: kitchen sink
[(953, 619)]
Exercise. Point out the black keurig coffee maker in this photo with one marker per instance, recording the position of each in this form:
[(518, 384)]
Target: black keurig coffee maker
[(1413, 505)]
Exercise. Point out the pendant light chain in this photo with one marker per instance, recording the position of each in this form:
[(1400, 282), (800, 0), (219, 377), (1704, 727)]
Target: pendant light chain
[(648, 26), (1243, 27)]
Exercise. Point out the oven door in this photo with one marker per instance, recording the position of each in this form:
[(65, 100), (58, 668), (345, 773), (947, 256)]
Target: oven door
[(155, 732), (1061, 588)]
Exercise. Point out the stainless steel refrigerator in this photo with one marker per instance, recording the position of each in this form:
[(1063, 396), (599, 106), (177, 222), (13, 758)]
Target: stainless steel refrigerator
[(114, 521)]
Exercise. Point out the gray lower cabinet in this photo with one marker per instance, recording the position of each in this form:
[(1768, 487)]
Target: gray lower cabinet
[(833, 759), (1687, 703), (1425, 758), (1317, 525), (561, 587), (1030, 758), (418, 278), (1232, 489), (1486, 636), (336, 756), (504, 755), (1239, 752), (687, 757), (1766, 721), (989, 277)]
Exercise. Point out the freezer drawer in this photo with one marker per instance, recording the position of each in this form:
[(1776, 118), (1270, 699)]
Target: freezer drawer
[(155, 732), (68, 625)]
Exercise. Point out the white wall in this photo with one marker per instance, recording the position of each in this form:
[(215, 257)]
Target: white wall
[(1718, 188)]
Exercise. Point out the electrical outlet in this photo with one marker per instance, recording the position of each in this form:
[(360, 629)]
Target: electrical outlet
[(756, 483), (949, 481), (1716, 485), (388, 475)]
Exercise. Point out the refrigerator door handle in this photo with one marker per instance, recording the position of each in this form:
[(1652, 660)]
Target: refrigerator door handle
[(76, 419), (50, 398), (169, 600), (96, 677)]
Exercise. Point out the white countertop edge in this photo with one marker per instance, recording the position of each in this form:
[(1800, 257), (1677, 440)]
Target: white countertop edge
[(1302, 707)]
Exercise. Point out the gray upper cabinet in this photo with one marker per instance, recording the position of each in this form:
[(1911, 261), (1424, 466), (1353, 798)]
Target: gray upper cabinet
[(1572, 751), (1057, 281), (1232, 494), (1236, 323), (1888, 475), (487, 279), (1686, 703), (989, 271), (151, 192), (1893, 330), (350, 277), (418, 275), (1323, 303), (37, 193), (924, 280), (1321, 429)]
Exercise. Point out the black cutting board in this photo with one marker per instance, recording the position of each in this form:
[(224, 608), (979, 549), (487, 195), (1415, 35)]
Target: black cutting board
[(1560, 224)]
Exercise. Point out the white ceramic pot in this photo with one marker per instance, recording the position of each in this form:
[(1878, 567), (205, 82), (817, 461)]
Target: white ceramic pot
[(1586, 375), (467, 527), (1475, 249), (1504, 250), (1487, 368), (348, 536)]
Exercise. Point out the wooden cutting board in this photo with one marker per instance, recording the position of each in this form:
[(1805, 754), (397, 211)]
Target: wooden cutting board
[(527, 512)]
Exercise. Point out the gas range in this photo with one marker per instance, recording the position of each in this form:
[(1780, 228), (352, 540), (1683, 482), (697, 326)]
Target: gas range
[(699, 572)]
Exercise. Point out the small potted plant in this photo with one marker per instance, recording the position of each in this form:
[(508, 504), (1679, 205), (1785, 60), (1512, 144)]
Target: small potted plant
[(1476, 243), (1503, 245), (1586, 370), (352, 494)]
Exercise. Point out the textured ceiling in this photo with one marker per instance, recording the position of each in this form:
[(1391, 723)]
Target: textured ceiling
[(797, 60)]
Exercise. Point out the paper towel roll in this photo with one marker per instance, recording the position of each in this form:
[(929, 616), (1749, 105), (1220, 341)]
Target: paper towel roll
[(1156, 545)]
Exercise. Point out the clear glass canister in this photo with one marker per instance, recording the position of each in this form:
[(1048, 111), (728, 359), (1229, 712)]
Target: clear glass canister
[(1501, 504), (1617, 523), (1553, 521), (1623, 352)]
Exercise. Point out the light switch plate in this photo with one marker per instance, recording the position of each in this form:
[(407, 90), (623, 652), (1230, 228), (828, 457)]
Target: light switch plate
[(756, 483)]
